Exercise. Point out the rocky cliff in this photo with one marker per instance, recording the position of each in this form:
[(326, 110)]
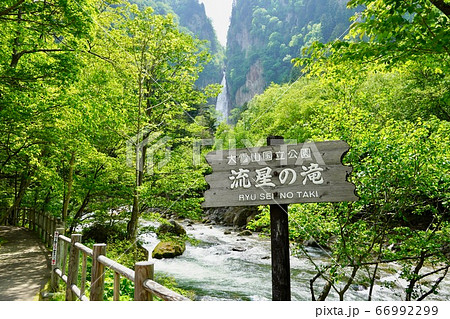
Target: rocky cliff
[(192, 18), (265, 35)]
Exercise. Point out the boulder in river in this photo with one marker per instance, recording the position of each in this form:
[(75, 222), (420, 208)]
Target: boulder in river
[(172, 228), (311, 242), (245, 233), (168, 249), (232, 216)]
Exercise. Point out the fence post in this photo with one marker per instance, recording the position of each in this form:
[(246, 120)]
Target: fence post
[(53, 225), (97, 273), (142, 271), (57, 263), (46, 230), (24, 212), (32, 220), (72, 273), (50, 229), (62, 254), (39, 225), (13, 217)]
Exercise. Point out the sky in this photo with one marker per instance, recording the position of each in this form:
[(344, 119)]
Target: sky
[(219, 11)]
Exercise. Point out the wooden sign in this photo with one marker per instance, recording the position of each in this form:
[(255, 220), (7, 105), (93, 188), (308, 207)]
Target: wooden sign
[(279, 174)]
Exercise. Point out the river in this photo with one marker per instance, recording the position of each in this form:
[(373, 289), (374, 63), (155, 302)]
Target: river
[(232, 267)]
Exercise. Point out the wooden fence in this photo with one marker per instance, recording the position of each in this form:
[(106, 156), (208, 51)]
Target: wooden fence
[(141, 276), (66, 261), (43, 224)]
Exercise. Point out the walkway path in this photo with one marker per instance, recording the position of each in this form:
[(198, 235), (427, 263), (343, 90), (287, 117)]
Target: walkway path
[(24, 264)]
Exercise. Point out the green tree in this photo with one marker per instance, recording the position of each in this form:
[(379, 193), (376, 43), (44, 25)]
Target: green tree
[(37, 63), (391, 31), (398, 153), (160, 65)]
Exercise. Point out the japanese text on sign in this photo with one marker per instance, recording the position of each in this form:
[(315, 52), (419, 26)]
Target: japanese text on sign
[(279, 174)]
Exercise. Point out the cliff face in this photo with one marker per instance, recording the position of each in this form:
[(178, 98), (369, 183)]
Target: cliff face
[(254, 84), (192, 18), (265, 35)]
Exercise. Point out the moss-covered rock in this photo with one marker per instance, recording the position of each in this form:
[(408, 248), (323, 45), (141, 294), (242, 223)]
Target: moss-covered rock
[(104, 233), (245, 232), (172, 228), (168, 249)]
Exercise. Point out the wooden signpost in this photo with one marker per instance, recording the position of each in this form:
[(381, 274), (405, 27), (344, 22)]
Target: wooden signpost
[(277, 175)]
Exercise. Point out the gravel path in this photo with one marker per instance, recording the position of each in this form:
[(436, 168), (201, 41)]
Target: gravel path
[(24, 264)]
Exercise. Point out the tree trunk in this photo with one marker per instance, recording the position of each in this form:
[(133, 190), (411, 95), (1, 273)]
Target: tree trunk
[(349, 282), (69, 188), (414, 279), (15, 56), (325, 291), (135, 213), (86, 200), (46, 200), (79, 212), (372, 282), (25, 182)]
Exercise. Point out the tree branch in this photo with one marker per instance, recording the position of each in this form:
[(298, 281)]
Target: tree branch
[(432, 33), (415, 279), (387, 261), (349, 282), (12, 8), (436, 284)]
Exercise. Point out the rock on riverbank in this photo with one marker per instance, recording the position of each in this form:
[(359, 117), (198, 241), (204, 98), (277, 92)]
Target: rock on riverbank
[(173, 244), (232, 216), (168, 249)]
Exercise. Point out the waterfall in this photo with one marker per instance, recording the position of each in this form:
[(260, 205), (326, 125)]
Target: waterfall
[(222, 101)]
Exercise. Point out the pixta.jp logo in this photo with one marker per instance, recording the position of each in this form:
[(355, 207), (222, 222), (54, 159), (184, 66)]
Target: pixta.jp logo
[(148, 151)]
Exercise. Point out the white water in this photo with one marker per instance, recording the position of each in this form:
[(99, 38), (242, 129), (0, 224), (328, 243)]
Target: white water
[(222, 101), (217, 272)]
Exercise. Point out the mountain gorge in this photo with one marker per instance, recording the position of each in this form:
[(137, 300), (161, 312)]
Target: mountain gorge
[(265, 35), (191, 16)]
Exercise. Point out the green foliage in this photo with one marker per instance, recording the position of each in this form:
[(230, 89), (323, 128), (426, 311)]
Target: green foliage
[(74, 93), (64, 135), (395, 117), (104, 233), (126, 291), (122, 252), (308, 221), (396, 27)]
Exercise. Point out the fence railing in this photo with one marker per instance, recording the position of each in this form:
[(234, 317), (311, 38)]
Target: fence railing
[(142, 275), (66, 263)]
